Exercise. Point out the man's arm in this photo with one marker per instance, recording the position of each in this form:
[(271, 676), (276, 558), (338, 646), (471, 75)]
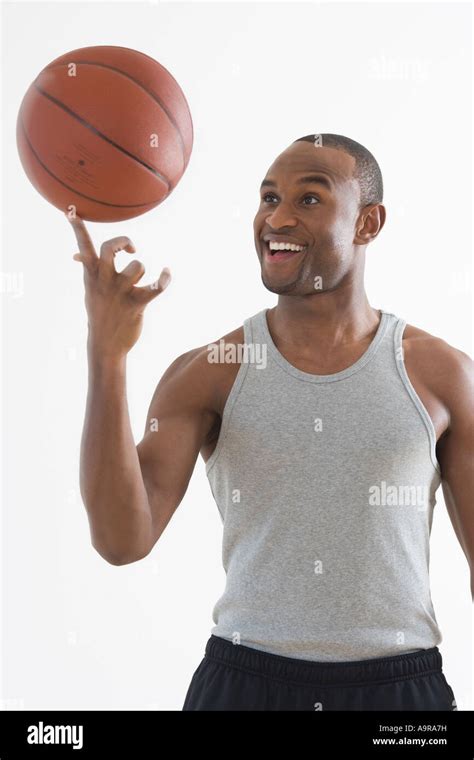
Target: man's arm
[(128, 509), (455, 449), (181, 419), (131, 492)]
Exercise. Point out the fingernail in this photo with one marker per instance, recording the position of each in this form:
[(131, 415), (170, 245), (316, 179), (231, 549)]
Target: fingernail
[(165, 278)]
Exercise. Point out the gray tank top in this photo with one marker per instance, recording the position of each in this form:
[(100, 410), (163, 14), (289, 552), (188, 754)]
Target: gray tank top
[(326, 487)]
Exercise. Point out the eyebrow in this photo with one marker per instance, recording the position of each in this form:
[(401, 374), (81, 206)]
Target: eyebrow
[(309, 179)]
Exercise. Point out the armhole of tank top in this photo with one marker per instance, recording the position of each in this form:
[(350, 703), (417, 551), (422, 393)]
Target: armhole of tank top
[(400, 362), (231, 399)]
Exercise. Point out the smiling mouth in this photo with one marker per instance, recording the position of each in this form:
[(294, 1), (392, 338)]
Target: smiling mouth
[(281, 254)]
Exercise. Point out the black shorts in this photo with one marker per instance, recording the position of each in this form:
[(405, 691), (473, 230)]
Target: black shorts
[(236, 677)]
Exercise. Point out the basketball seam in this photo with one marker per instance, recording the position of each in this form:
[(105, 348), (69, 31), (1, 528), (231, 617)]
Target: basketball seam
[(101, 135), (139, 84), (149, 58), (77, 192)]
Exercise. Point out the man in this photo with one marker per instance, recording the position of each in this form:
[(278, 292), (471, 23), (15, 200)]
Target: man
[(324, 441)]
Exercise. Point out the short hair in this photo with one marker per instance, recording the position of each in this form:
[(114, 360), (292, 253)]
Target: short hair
[(367, 171)]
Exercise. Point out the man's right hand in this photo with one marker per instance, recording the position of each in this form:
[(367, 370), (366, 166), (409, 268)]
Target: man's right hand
[(114, 303)]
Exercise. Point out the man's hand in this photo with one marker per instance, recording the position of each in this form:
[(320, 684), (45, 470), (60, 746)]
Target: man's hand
[(114, 303)]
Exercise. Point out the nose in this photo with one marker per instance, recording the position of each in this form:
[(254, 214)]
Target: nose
[(282, 216)]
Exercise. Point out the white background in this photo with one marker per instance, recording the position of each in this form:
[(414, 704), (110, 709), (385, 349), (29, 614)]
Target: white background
[(79, 633)]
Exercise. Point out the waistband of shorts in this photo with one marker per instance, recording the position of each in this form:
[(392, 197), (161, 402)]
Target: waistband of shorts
[(380, 669)]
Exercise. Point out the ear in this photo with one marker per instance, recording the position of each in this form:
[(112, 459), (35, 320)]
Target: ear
[(370, 222)]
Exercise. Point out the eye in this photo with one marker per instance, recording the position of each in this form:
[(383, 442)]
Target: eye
[(272, 195)]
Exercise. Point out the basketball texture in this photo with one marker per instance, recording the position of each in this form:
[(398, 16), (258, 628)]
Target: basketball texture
[(104, 132)]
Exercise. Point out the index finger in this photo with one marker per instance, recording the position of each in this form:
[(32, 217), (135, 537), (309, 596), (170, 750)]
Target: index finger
[(86, 246)]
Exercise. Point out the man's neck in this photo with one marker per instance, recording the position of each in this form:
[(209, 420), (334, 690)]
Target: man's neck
[(325, 320)]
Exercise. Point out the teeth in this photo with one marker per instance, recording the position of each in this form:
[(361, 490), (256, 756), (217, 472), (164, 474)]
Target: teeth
[(284, 246)]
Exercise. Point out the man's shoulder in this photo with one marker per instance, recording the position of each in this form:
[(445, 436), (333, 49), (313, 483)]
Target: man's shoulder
[(198, 369), (432, 347), (199, 356), (440, 365)]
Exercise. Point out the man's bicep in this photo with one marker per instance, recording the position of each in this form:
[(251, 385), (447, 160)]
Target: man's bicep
[(455, 453), (178, 422)]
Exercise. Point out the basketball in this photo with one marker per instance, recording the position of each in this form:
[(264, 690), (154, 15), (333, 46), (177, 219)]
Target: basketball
[(104, 132)]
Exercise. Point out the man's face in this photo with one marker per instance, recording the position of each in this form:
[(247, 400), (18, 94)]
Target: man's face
[(319, 214)]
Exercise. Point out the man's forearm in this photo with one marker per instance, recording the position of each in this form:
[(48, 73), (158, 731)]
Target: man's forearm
[(111, 480)]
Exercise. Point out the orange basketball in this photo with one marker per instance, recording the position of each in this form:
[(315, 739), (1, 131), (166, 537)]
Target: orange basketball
[(106, 132)]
